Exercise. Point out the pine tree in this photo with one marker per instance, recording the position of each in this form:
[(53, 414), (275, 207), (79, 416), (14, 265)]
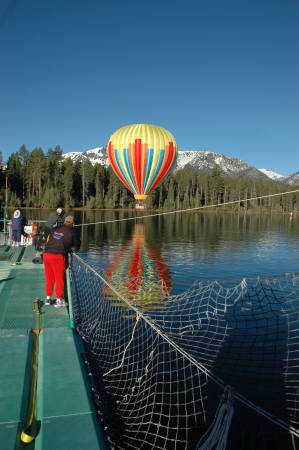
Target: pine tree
[(67, 181)]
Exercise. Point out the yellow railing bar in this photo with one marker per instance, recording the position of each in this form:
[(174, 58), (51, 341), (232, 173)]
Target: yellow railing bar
[(30, 430)]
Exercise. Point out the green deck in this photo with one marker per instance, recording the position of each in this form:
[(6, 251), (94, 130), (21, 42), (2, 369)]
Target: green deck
[(65, 410)]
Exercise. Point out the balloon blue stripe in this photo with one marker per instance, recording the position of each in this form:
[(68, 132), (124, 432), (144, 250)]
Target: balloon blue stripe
[(129, 169), (149, 160), (120, 168), (161, 157)]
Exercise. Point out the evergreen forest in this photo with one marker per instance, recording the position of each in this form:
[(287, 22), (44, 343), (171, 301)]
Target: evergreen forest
[(47, 180)]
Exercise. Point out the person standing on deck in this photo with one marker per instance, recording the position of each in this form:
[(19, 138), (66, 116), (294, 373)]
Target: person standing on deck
[(55, 220), (59, 243), (17, 226)]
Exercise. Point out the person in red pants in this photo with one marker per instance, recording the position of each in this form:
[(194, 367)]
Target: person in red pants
[(59, 243)]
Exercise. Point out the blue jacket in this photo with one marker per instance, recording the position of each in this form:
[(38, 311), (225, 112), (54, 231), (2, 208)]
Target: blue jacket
[(17, 224)]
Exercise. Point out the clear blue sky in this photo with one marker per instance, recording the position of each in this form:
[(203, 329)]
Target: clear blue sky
[(220, 75)]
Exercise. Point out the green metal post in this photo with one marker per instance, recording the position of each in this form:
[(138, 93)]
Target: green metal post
[(5, 209), (69, 296), (4, 229)]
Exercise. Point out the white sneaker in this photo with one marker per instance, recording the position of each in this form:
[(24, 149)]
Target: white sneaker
[(48, 301), (59, 303)]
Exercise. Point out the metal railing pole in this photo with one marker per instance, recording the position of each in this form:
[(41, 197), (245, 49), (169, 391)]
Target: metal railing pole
[(69, 294), (5, 220)]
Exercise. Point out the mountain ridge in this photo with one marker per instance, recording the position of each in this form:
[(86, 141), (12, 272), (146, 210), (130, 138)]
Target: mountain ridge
[(203, 160)]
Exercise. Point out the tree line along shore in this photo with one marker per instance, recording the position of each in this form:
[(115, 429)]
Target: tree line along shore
[(40, 180)]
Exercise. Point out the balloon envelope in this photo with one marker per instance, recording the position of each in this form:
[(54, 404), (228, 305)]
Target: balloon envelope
[(141, 155)]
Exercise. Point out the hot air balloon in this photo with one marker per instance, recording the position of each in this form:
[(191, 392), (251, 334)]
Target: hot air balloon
[(141, 155)]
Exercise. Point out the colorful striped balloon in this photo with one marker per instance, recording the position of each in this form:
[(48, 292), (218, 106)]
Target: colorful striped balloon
[(141, 155)]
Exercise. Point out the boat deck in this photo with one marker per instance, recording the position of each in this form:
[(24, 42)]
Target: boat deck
[(64, 406)]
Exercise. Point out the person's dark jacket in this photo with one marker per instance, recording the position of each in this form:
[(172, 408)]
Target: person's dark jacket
[(61, 240), (17, 224)]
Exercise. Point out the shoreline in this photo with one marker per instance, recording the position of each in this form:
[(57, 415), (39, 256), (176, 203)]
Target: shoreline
[(159, 211)]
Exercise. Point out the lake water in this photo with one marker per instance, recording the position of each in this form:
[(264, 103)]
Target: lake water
[(198, 246), (195, 246), (258, 355)]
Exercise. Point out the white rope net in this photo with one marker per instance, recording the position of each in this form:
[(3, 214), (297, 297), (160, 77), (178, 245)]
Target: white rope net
[(159, 368)]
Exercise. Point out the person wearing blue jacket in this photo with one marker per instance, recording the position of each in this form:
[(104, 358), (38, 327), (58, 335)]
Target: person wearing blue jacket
[(17, 225)]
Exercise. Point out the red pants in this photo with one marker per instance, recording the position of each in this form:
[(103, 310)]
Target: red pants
[(54, 272)]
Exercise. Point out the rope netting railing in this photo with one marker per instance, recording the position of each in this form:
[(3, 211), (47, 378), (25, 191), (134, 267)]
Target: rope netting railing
[(160, 368)]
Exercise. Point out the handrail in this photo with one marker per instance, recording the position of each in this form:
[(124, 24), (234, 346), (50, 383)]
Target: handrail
[(69, 293), (4, 227), (30, 430)]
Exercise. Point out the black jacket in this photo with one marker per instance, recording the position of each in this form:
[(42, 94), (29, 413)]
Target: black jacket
[(61, 240)]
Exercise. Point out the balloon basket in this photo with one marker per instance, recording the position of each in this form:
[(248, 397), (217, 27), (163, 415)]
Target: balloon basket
[(139, 205)]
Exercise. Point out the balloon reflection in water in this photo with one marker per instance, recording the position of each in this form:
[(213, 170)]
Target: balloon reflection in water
[(139, 273)]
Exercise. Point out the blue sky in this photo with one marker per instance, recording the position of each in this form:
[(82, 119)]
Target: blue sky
[(220, 75)]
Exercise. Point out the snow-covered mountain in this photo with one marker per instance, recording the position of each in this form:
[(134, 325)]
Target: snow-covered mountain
[(293, 179), (206, 160), (202, 160), (198, 160), (273, 175), (95, 155)]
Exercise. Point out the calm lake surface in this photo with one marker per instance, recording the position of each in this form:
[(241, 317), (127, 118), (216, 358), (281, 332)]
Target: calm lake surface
[(196, 246)]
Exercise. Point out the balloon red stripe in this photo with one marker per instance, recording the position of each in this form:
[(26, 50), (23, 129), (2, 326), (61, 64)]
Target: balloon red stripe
[(138, 164), (171, 154), (115, 168), (135, 268), (132, 163), (136, 260)]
